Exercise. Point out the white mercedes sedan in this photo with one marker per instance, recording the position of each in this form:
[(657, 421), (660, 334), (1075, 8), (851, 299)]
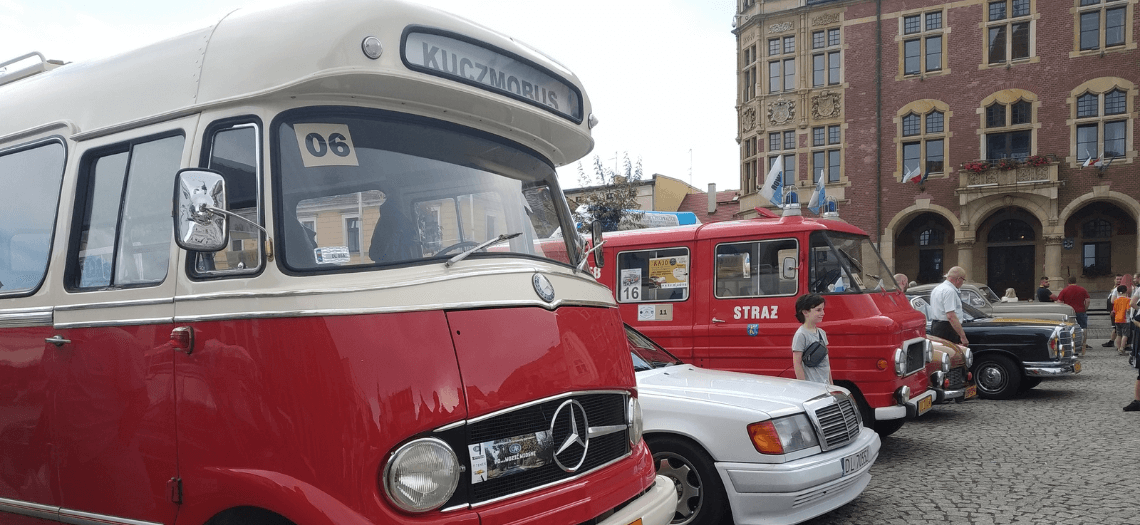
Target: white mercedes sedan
[(770, 450)]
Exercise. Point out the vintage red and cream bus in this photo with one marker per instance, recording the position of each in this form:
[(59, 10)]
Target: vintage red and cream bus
[(722, 295), (285, 269)]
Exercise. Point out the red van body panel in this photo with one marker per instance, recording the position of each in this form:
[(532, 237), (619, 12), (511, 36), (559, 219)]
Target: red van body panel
[(262, 402)]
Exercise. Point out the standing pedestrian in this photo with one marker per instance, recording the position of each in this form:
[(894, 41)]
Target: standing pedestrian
[(1043, 293), (1134, 406), (1112, 295), (809, 311), (946, 308), (1120, 317), (1077, 297)]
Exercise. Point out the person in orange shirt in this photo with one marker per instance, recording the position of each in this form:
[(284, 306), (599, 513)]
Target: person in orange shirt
[(1120, 317)]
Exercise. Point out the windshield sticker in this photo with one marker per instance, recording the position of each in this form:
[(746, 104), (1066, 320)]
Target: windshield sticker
[(655, 312), (513, 455), (325, 145), (670, 272), (630, 285), (332, 255)]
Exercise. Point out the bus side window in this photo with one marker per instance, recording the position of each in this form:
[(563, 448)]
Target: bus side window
[(234, 152), (31, 178), (121, 237), (653, 275)]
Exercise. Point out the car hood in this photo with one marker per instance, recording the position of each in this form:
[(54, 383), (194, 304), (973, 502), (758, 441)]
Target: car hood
[(774, 395), (1011, 321)]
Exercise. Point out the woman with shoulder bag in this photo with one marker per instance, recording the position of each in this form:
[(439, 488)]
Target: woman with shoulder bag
[(809, 344)]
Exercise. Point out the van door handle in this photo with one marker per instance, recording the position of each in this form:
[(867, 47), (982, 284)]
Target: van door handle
[(715, 320), (58, 341)]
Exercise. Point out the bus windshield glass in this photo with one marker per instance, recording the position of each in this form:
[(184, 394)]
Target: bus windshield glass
[(362, 189), (847, 263)]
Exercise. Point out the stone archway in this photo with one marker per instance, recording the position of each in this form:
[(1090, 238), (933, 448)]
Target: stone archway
[(925, 249), (906, 262), (1011, 237)]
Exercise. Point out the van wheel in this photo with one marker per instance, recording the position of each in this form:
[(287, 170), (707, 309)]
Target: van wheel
[(888, 426), (700, 493), (997, 376)]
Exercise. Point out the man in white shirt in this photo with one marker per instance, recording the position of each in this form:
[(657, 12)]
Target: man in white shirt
[(946, 308)]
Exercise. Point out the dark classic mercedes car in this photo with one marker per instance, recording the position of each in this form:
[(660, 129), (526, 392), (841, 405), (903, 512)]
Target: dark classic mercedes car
[(1014, 355)]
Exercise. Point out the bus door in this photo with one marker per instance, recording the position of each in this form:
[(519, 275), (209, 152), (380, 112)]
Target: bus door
[(110, 372), (653, 291), (751, 317), (31, 176)]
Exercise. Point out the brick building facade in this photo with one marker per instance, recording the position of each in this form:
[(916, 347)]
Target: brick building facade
[(997, 104)]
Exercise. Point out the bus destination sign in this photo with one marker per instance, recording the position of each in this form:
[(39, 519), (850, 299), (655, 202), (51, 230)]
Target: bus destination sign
[(491, 70)]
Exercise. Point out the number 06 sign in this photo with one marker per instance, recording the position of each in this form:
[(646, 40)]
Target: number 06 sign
[(325, 145)]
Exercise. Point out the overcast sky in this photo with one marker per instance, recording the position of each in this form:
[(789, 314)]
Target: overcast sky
[(660, 73)]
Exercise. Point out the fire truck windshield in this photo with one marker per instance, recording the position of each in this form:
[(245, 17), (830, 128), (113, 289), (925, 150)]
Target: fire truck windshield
[(364, 190), (847, 263)]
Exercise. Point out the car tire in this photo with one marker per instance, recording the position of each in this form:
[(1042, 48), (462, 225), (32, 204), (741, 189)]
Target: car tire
[(1028, 383), (700, 492), (888, 426), (998, 377)]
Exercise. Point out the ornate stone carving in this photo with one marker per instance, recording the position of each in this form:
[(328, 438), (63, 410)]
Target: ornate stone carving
[(822, 20), (779, 28), (1032, 173), (1054, 240), (825, 105), (748, 118), (781, 111), (985, 177)]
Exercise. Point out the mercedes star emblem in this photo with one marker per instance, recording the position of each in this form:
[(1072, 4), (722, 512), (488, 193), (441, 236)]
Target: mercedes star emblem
[(573, 416), (542, 287)]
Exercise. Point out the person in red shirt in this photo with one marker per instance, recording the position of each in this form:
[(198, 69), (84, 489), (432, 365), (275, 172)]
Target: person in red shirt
[(1077, 297)]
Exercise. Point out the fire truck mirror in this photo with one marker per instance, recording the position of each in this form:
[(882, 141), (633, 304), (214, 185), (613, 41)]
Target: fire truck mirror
[(596, 237), (788, 269)]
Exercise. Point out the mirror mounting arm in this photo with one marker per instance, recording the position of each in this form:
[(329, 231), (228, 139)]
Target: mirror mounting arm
[(268, 238), (585, 256)]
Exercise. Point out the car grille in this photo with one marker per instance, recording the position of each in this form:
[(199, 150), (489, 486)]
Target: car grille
[(1078, 337), (957, 377), (915, 356), (1065, 343), (838, 423), (602, 409)]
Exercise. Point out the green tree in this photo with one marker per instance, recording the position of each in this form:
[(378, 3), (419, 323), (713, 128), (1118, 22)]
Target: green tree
[(612, 195)]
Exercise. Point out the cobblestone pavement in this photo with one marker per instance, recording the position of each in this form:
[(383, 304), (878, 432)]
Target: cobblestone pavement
[(1064, 452)]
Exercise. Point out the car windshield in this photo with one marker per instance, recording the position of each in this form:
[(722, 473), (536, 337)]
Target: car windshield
[(989, 294), (646, 354), (847, 263), (360, 189), (969, 313)]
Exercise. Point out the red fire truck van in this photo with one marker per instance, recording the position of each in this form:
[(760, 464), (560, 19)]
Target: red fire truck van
[(285, 269), (722, 295)]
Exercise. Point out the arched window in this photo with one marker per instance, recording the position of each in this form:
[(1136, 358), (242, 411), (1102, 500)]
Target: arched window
[(1011, 230), (932, 237), (1096, 229), (1009, 130), (923, 140), (1102, 125)]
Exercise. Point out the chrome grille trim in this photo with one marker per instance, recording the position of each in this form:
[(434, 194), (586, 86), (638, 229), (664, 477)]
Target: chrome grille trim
[(837, 422)]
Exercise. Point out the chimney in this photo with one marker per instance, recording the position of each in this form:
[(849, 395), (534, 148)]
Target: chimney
[(712, 198)]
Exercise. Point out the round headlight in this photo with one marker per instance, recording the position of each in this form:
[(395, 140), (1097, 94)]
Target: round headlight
[(946, 363), (929, 351), (969, 358), (900, 361), (634, 418), (421, 475)]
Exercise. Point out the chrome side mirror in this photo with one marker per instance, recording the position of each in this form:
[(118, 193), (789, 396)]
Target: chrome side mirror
[(199, 195), (596, 237), (788, 269)]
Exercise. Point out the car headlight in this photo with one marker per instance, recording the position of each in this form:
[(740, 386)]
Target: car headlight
[(1054, 343), (945, 363), (969, 358), (900, 362), (929, 351), (421, 475), (783, 436), (903, 394), (634, 417)]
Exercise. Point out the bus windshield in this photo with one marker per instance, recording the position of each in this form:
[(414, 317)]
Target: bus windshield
[(847, 263), (361, 188)]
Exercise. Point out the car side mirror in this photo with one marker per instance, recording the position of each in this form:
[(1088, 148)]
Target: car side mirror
[(596, 238), (788, 269), (200, 224)]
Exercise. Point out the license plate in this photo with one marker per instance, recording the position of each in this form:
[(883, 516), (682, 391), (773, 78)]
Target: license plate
[(856, 461), (1077, 367), (971, 391), (924, 404)]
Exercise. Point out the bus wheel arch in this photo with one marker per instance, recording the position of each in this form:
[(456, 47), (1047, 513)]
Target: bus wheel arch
[(248, 516)]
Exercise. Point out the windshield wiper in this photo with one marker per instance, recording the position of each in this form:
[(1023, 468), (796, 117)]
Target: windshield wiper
[(484, 244)]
